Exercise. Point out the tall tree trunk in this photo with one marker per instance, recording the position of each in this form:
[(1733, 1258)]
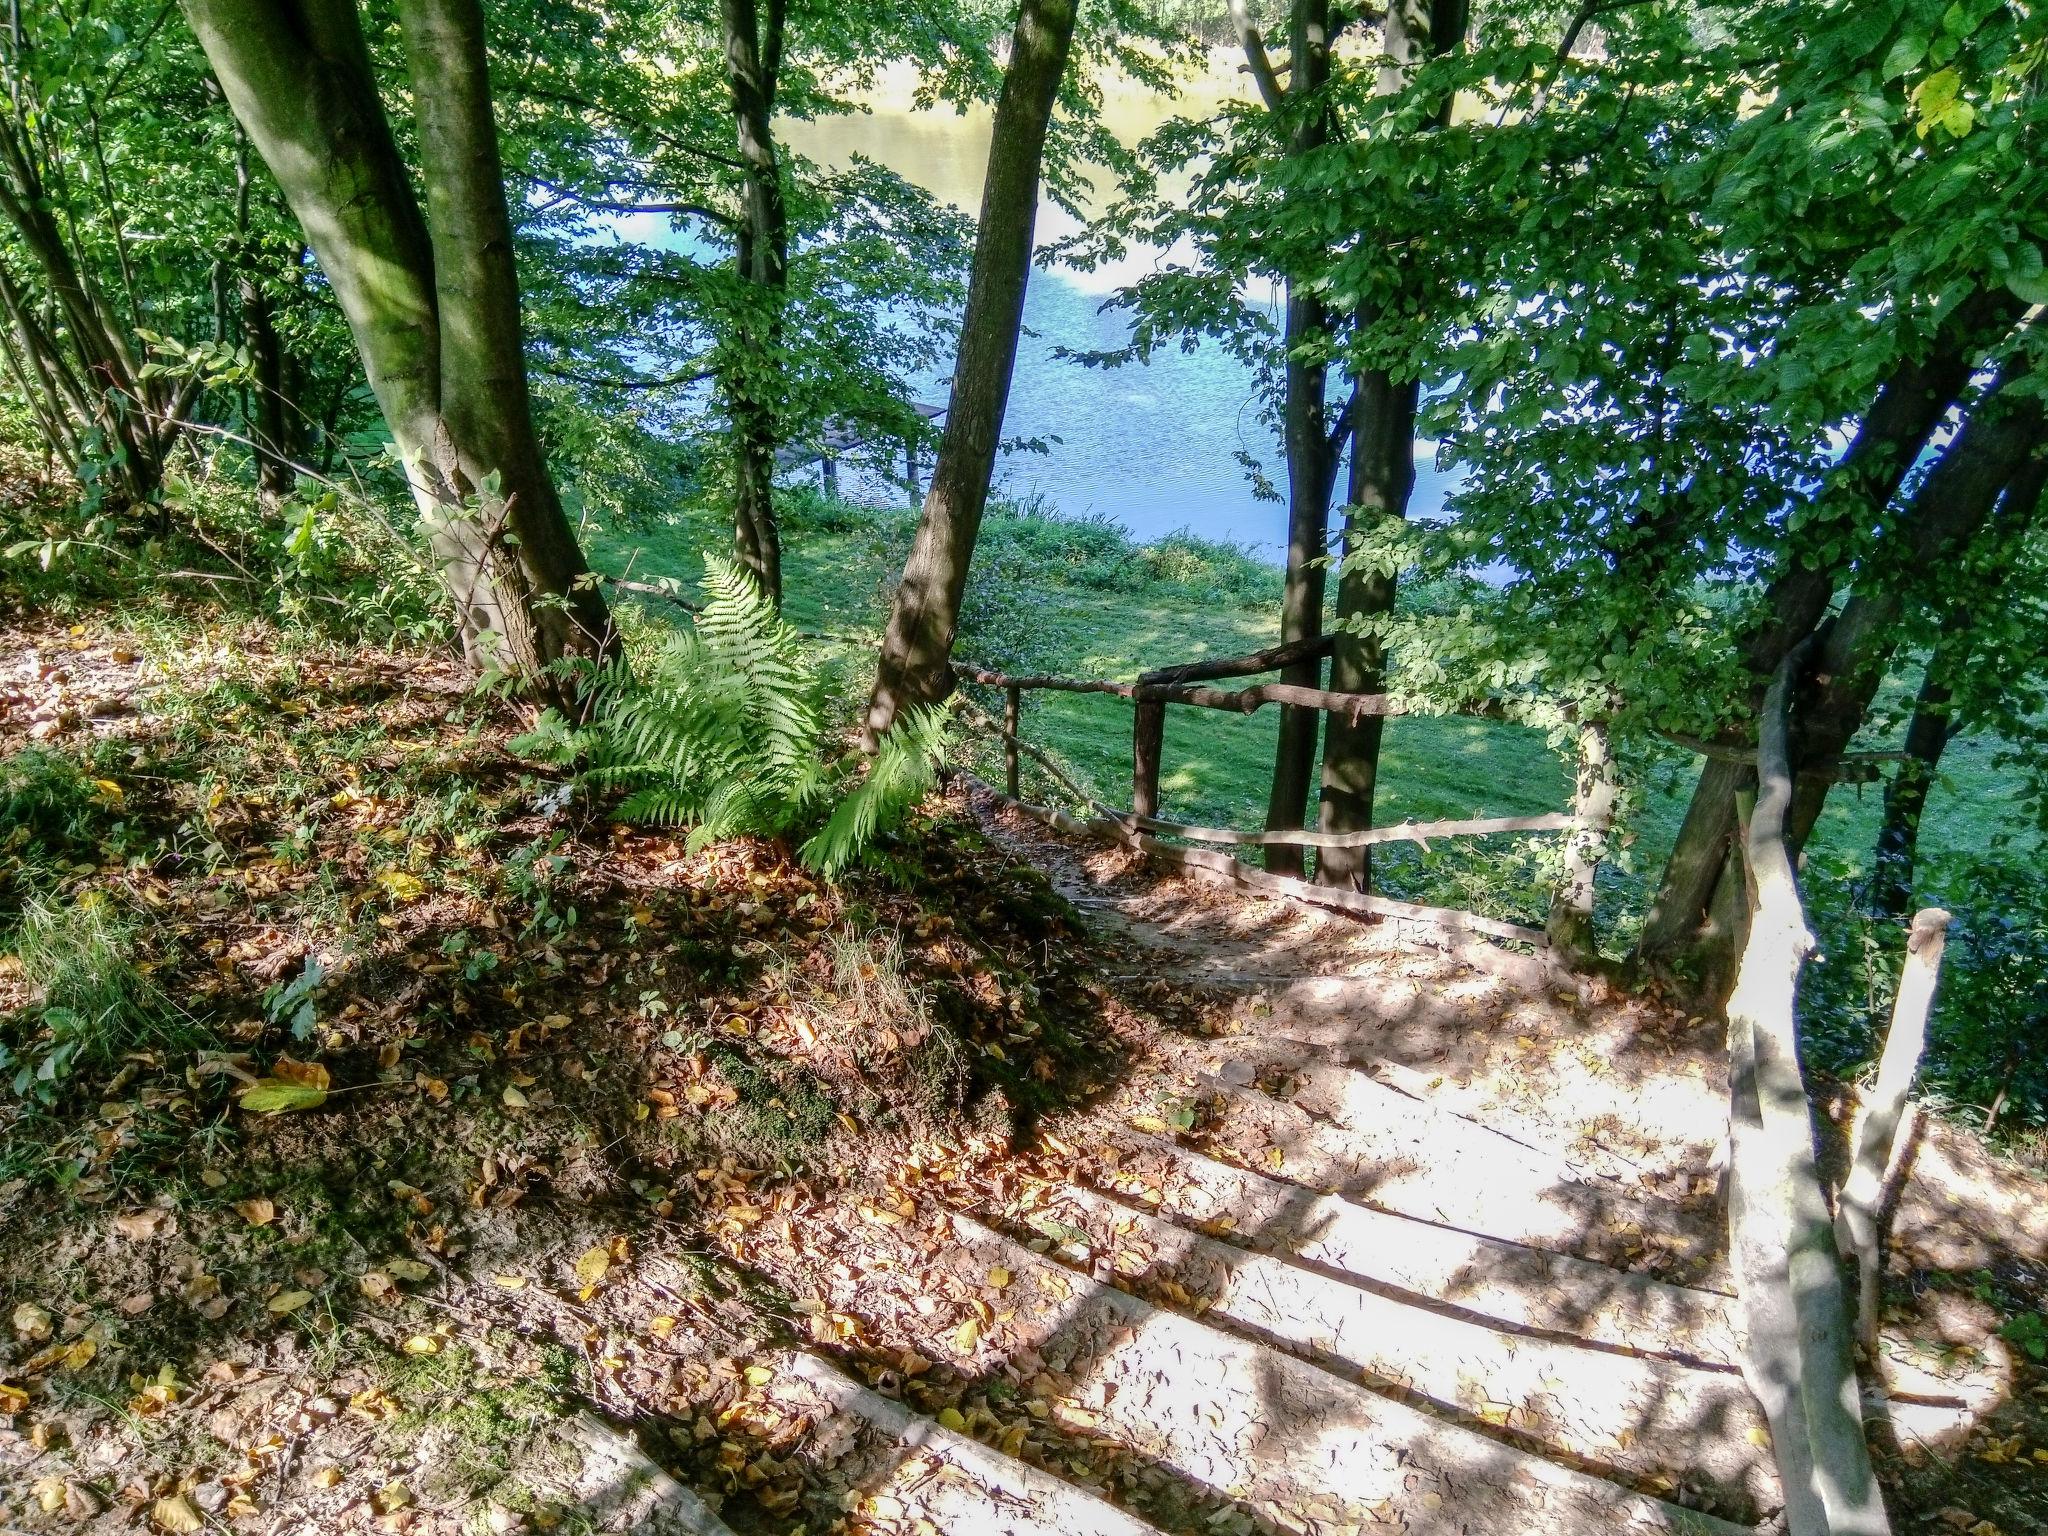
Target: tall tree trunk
[(269, 424), (1382, 480), (752, 386), (432, 299), (1905, 795), (1685, 924), (1953, 501), (1311, 454), (913, 667), (2002, 438)]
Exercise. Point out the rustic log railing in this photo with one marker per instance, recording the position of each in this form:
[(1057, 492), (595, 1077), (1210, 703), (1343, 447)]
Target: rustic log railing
[(1568, 929), (1786, 1247)]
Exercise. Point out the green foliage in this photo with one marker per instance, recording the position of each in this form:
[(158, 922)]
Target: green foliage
[(1991, 1006), (93, 999), (726, 733)]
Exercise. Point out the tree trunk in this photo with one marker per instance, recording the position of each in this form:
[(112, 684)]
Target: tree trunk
[(752, 386), (1905, 795), (269, 425), (1311, 457), (913, 667), (1933, 724), (432, 300), (1682, 925), (1955, 500), (1382, 480)]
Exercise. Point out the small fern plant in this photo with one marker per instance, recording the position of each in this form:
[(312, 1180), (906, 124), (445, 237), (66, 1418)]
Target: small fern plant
[(724, 731)]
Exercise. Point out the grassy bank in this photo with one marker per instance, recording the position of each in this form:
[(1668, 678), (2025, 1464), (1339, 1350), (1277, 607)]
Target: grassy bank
[(1079, 597)]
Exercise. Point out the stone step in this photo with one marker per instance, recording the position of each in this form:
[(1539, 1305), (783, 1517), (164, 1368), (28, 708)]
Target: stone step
[(1507, 1284), (907, 1472), (1399, 1155), (1653, 1421), (1305, 1447)]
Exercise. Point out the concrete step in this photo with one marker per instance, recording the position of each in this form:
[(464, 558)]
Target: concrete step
[(1307, 1448)]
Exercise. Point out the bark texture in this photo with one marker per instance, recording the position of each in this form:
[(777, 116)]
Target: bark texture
[(1382, 480), (431, 295), (1311, 454), (913, 668), (752, 62)]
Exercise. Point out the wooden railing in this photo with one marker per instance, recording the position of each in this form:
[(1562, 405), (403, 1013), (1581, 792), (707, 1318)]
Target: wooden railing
[(1568, 928)]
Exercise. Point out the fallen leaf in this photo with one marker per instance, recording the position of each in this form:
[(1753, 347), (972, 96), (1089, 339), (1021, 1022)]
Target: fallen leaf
[(759, 1375), (593, 1265), (31, 1321), (513, 1098), (951, 1419), (967, 1336), (142, 1224), (80, 1354), (327, 1477), (422, 1344), (291, 1085), (408, 1269), (286, 1302), (399, 885), (177, 1515), (12, 1398), (258, 1212)]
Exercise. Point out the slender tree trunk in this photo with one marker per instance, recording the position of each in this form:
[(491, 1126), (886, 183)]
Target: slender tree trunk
[(913, 668), (1686, 923), (1933, 724), (432, 299), (1311, 453), (1905, 795), (1955, 500), (269, 424), (1382, 480), (752, 385)]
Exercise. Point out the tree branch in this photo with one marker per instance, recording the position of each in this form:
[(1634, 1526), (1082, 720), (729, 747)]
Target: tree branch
[(1255, 56), (607, 205)]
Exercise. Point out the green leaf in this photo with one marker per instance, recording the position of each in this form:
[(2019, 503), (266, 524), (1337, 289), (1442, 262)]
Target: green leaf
[(274, 1096)]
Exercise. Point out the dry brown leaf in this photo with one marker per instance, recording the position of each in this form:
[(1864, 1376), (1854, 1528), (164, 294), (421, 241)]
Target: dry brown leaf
[(176, 1514), (259, 1211)]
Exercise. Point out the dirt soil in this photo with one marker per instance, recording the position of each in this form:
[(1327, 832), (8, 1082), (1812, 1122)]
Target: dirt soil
[(609, 1123)]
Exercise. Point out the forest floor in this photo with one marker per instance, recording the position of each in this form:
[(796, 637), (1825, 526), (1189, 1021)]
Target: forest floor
[(598, 1141)]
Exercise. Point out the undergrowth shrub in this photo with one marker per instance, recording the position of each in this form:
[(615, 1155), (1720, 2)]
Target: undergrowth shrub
[(52, 812), (1983, 1042), (723, 729)]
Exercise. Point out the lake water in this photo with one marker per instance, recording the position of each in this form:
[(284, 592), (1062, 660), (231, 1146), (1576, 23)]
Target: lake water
[(1156, 446)]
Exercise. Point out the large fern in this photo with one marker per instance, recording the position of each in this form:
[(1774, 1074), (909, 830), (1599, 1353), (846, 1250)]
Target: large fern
[(723, 731)]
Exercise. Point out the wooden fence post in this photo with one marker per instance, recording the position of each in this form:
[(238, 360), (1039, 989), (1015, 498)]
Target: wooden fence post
[(1859, 1217), (1570, 924), (1148, 739), (1011, 701)]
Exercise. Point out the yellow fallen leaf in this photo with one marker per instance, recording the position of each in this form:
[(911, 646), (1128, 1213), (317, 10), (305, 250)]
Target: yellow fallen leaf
[(80, 1354), (509, 1282), (513, 1098), (593, 1265), (422, 1344), (407, 1269), (998, 1278), (49, 1492), (967, 1336), (327, 1477), (759, 1375), (32, 1322), (286, 1302), (259, 1212), (177, 1515), (12, 1398), (291, 1085), (399, 885), (951, 1419)]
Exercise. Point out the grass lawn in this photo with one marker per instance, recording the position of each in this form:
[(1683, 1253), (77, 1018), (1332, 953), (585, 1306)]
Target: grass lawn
[(1078, 598)]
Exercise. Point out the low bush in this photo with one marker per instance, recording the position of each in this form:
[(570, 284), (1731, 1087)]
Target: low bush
[(723, 729)]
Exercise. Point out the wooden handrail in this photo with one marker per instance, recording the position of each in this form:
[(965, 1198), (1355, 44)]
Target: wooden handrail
[(1401, 832), (1781, 1234), (1273, 658)]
